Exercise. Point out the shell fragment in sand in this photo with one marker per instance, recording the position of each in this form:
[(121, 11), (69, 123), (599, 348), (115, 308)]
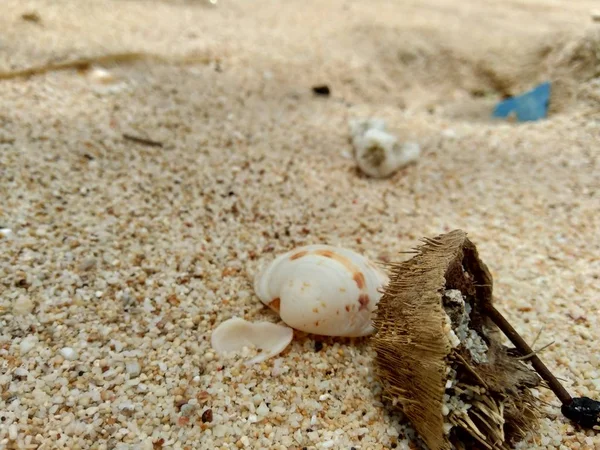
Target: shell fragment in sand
[(236, 333), (377, 152)]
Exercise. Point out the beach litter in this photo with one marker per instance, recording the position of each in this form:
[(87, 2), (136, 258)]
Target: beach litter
[(530, 106), (378, 152)]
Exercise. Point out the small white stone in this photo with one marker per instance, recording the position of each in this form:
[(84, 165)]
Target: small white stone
[(161, 392), (102, 76), (70, 354), (21, 372), (13, 432), (133, 368), (27, 344), (23, 305), (445, 410), (188, 409), (127, 406), (5, 232), (262, 409)]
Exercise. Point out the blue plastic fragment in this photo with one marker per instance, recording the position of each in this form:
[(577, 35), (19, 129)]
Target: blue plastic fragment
[(532, 105)]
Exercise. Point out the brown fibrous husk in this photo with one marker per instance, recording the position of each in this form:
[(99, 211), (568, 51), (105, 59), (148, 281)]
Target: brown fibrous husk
[(414, 352)]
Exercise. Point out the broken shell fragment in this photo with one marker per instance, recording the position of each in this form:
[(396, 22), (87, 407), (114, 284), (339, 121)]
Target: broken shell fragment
[(377, 152), (440, 356), (236, 333), (323, 290)]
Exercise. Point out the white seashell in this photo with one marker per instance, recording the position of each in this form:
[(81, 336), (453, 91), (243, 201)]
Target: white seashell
[(102, 76), (104, 81), (323, 290), (69, 353), (377, 152), (235, 334)]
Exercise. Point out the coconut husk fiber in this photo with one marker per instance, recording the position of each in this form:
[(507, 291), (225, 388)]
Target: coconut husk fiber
[(419, 364)]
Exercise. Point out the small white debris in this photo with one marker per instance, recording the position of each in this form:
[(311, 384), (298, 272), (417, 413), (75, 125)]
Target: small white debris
[(21, 372), (188, 409), (5, 232), (133, 368), (262, 410), (449, 133), (377, 152), (161, 392), (127, 406), (101, 76), (27, 344), (69, 353), (13, 432), (105, 82), (23, 305)]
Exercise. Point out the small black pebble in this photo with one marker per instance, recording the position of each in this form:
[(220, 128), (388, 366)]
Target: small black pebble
[(321, 90), (80, 373), (318, 346), (352, 448), (207, 416)]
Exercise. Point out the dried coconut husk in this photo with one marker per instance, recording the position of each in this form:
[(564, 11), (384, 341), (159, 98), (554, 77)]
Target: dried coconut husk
[(416, 357)]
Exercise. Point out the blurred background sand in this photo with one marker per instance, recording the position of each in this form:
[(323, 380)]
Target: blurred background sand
[(131, 254)]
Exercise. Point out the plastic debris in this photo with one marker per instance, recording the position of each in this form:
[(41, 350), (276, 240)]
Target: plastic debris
[(530, 106)]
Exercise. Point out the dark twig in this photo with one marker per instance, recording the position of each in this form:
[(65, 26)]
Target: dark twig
[(582, 410), (141, 140)]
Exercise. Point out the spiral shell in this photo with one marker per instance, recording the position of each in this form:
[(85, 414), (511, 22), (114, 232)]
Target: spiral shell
[(323, 290)]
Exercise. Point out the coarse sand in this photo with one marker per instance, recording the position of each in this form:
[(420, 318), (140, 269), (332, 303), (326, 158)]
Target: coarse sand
[(118, 257)]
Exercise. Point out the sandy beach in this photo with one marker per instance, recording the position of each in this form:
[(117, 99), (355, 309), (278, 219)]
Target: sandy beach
[(154, 154)]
